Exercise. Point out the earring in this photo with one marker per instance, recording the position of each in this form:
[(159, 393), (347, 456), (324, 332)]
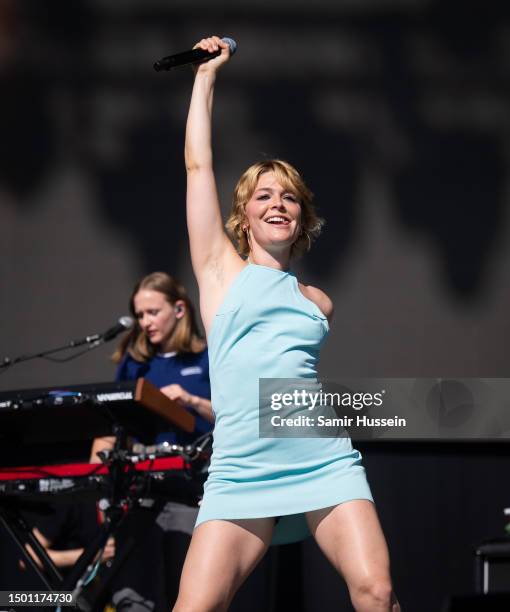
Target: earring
[(308, 238)]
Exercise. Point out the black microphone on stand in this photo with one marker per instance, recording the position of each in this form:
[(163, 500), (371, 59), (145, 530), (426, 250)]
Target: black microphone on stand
[(194, 56), (122, 325)]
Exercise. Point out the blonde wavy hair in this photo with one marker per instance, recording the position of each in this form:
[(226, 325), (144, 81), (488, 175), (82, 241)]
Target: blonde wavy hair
[(290, 179), (186, 336)]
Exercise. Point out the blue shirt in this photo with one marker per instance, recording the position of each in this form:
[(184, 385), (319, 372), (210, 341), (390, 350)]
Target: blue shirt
[(190, 370)]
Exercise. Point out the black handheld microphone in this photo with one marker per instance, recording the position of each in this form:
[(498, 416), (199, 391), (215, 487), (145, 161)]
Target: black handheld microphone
[(194, 56)]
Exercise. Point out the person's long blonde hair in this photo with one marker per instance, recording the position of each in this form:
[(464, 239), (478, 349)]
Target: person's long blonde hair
[(290, 179), (186, 337)]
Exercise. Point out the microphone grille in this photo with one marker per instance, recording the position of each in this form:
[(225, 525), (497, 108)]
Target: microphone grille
[(126, 322), (231, 43)]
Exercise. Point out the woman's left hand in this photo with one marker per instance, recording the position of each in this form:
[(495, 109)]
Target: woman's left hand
[(177, 393)]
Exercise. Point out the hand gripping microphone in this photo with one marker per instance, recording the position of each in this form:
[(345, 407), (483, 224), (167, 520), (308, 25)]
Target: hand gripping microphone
[(194, 56)]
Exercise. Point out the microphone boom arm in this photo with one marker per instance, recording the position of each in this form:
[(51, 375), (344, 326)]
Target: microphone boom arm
[(92, 342)]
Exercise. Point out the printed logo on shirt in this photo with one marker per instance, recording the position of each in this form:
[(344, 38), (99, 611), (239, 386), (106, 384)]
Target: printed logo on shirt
[(191, 370)]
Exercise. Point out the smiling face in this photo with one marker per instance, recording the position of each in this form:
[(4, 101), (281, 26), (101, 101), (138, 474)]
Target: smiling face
[(156, 317), (285, 189), (273, 215)]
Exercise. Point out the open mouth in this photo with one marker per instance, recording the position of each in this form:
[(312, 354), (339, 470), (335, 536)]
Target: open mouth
[(277, 220)]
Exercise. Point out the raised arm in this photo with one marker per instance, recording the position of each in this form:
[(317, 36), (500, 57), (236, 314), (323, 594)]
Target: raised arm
[(213, 256), (207, 237)]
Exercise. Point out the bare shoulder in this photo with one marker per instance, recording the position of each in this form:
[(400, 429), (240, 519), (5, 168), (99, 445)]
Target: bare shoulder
[(319, 298)]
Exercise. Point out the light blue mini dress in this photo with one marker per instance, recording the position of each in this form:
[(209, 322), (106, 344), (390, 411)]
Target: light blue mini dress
[(266, 328)]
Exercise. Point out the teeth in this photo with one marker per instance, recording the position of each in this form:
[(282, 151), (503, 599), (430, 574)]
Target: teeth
[(276, 220)]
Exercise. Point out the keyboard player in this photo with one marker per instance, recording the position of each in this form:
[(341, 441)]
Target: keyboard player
[(164, 347)]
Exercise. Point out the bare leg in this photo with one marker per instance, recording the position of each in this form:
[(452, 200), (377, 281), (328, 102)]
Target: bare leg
[(352, 539), (220, 557)]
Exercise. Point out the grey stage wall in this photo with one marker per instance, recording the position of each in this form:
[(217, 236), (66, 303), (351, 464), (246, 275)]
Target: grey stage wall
[(397, 115)]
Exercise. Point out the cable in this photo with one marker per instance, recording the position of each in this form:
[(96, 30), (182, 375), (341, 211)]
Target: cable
[(64, 359), (95, 569)]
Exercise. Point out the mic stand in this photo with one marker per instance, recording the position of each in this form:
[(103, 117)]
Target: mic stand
[(92, 342), (120, 501)]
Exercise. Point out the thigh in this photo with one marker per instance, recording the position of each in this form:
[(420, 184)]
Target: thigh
[(351, 537), (220, 557)]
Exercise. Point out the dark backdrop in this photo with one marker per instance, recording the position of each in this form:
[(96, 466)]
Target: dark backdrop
[(396, 112)]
